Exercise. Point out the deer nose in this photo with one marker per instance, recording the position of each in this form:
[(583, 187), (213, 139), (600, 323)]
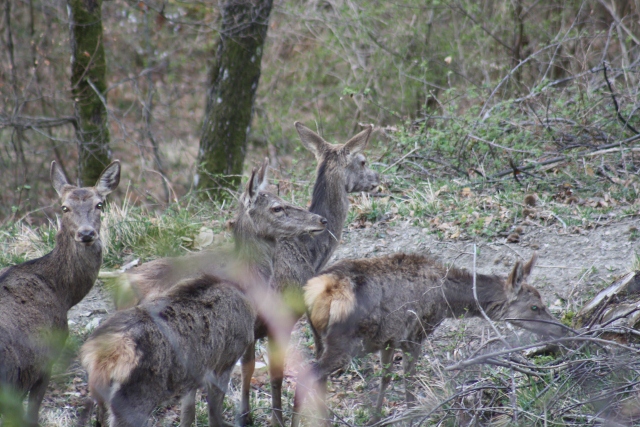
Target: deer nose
[(87, 235), (324, 221)]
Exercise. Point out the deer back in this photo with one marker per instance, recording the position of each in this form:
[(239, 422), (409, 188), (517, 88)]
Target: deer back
[(190, 337)]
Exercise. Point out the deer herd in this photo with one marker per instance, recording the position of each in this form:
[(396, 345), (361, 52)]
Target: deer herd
[(182, 323)]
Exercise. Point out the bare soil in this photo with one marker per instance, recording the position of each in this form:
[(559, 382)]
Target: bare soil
[(573, 265)]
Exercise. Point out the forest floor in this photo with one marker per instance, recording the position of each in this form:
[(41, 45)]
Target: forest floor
[(573, 265)]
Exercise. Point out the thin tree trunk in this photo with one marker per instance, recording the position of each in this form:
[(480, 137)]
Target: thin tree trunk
[(88, 87), (234, 81)]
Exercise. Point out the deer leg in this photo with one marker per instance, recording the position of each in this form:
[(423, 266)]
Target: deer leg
[(337, 354), (215, 401), (409, 359), (308, 382), (386, 358), (101, 415), (36, 394), (85, 413), (127, 412), (11, 410), (276, 351), (317, 339), (248, 366), (188, 409)]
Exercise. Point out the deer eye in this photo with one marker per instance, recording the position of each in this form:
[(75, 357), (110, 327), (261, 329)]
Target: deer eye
[(534, 307), (277, 209), (65, 209), (100, 206), (363, 163)]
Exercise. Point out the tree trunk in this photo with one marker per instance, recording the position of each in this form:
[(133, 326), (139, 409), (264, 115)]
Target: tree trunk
[(233, 84), (88, 87)]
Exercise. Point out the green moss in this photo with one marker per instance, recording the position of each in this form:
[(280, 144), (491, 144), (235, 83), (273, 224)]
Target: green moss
[(88, 86), (231, 96)]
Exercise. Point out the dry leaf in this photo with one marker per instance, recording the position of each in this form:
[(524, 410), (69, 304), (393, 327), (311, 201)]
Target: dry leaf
[(203, 239)]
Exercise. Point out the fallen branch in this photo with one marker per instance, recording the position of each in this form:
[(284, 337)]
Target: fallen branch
[(27, 122)]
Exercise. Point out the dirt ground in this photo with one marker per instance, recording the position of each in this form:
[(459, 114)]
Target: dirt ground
[(573, 265)]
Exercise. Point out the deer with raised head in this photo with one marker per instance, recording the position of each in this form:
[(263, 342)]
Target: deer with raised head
[(188, 334), (257, 226), (361, 306), (36, 295), (342, 169)]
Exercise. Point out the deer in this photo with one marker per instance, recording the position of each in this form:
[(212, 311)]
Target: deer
[(36, 295), (362, 306), (262, 220), (342, 169), (188, 338)]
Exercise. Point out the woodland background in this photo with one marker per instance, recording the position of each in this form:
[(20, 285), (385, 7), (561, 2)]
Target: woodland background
[(510, 125), (465, 87)]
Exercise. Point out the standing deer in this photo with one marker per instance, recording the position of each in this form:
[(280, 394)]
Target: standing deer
[(342, 169), (216, 337), (36, 295), (261, 221), (361, 306), (187, 338)]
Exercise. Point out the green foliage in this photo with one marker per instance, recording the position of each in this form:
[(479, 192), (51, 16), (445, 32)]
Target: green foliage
[(146, 235)]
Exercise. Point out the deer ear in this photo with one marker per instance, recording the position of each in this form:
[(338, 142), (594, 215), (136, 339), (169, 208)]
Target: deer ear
[(263, 175), (58, 178), (529, 265), (258, 181), (109, 179), (311, 140), (250, 190), (515, 280), (359, 142)]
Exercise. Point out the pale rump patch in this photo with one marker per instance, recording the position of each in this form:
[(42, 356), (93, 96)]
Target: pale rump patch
[(107, 358), (329, 300)]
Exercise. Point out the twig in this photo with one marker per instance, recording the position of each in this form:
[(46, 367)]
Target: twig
[(493, 144), (401, 159), (482, 359), (615, 103), (612, 150)]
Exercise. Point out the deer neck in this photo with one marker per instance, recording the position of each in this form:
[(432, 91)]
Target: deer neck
[(73, 267), (256, 256), (460, 300), (330, 200)]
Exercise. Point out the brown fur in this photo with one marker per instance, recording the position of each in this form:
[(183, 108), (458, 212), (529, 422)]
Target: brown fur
[(396, 301), (36, 295), (188, 338), (110, 359), (330, 300)]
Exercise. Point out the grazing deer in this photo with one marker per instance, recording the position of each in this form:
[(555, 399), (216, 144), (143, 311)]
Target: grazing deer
[(362, 306), (36, 295), (342, 169), (263, 219), (190, 337)]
